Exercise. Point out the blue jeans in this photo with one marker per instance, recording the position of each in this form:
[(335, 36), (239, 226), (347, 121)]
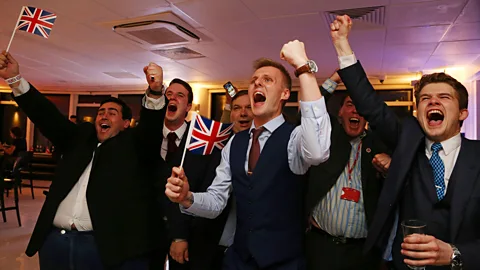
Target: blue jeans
[(74, 250)]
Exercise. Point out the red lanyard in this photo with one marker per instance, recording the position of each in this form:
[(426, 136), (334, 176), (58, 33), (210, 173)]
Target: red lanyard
[(350, 168)]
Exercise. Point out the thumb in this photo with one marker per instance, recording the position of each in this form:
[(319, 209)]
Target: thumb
[(185, 255), (145, 69)]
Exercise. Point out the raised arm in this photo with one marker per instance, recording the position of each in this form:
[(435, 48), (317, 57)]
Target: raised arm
[(368, 104), (149, 130), (43, 113), (309, 143)]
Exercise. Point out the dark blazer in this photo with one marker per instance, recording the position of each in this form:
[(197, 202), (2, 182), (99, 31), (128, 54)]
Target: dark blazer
[(324, 176), (121, 201), (406, 138), (202, 234)]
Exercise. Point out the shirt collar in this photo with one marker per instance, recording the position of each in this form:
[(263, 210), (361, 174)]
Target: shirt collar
[(271, 125), (180, 131), (448, 146)]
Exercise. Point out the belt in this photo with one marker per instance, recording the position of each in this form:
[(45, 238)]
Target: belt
[(339, 240)]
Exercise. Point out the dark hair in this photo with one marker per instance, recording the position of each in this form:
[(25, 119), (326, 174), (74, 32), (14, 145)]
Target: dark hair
[(462, 93), (17, 132), (187, 86), (126, 111), (73, 117), (239, 94), (342, 101), (265, 62)]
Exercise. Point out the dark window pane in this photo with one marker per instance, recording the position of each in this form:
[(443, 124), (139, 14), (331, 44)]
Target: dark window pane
[(218, 103), (87, 114), (291, 114), (395, 95), (92, 98), (293, 96), (135, 103), (12, 116), (6, 96), (62, 102)]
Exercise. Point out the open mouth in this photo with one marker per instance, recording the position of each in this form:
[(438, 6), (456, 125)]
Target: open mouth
[(172, 108), (435, 117), (354, 122), (104, 127), (243, 122), (259, 97)]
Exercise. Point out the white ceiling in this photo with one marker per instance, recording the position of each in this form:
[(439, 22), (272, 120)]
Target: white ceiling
[(418, 35)]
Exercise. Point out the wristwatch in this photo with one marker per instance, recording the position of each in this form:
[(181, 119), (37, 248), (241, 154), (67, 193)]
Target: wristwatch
[(310, 67), (457, 262)]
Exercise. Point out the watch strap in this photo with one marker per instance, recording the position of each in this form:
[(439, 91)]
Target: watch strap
[(299, 71), (157, 93)]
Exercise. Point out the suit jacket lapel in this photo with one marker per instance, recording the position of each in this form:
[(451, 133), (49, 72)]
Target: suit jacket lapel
[(465, 171)]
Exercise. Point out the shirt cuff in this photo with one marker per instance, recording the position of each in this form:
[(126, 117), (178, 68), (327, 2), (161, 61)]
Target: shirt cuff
[(313, 109), (228, 107), (330, 85), (22, 88), (346, 61), (153, 103)]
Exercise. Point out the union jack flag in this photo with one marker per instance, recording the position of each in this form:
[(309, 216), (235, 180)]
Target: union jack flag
[(36, 21), (206, 135)]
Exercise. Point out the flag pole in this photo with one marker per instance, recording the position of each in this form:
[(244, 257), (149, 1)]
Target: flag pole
[(189, 137), (15, 29)]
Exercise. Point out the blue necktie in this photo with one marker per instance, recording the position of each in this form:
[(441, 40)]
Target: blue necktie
[(438, 170)]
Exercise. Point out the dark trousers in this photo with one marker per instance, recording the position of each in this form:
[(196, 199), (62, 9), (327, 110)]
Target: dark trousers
[(74, 250), (233, 261), (325, 252)]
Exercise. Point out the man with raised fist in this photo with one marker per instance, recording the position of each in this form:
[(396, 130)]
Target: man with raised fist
[(101, 211), (264, 167)]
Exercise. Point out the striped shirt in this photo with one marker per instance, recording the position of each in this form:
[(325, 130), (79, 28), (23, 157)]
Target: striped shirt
[(341, 217)]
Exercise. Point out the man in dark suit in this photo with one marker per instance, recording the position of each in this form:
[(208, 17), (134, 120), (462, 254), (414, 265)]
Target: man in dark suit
[(100, 212), (191, 241), (264, 167), (434, 176), (342, 193)]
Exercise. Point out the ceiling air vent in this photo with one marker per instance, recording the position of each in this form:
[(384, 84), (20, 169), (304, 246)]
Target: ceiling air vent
[(372, 15), (181, 53), (156, 34)]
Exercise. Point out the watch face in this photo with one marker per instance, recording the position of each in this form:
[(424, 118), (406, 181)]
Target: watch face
[(312, 66)]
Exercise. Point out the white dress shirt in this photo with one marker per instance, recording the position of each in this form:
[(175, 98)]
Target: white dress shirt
[(74, 208), (309, 145), (180, 132)]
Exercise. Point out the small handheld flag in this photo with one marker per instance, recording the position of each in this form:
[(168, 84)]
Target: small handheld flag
[(34, 20), (206, 135)]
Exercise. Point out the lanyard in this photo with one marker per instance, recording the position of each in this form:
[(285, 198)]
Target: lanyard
[(357, 155)]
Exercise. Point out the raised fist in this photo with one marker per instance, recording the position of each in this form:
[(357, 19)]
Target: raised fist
[(294, 53)]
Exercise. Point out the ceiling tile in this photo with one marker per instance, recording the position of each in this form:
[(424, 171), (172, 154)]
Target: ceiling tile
[(471, 13), (458, 47), (414, 35), (424, 13), (439, 61), (463, 31)]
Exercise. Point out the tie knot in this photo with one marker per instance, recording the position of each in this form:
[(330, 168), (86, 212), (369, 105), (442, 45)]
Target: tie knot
[(436, 147), (256, 132), (172, 136)]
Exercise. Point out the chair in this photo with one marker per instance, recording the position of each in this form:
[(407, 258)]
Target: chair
[(26, 167), (13, 181)]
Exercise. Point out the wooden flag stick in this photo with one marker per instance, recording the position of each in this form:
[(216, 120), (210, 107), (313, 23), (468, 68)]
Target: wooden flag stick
[(189, 137), (15, 29)]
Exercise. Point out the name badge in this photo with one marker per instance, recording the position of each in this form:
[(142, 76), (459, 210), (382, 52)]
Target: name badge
[(350, 194)]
